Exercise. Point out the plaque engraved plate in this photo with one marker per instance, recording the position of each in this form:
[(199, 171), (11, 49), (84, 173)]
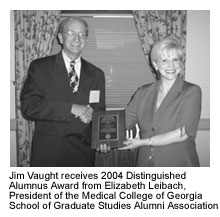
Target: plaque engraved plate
[(108, 127)]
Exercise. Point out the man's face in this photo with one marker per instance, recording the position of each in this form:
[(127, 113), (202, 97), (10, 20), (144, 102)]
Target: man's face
[(73, 38)]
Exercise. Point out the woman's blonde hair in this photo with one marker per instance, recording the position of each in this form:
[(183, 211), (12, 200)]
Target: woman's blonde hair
[(165, 44)]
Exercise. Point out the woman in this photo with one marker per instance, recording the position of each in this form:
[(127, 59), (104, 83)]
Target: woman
[(166, 111)]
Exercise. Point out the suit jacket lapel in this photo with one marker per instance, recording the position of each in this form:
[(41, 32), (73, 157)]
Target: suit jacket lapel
[(61, 77), (147, 105), (85, 77), (174, 91), (153, 98), (61, 73)]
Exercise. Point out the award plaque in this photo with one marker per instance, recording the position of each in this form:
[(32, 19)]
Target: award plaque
[(108, 127)]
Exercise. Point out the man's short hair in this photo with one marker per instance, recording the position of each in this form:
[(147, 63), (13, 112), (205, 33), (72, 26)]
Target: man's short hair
[(65, 21)]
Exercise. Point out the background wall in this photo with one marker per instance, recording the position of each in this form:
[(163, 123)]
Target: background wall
[(198, 54), (197, 71)]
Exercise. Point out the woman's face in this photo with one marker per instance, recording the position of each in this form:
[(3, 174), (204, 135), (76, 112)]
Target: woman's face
[(168, 64)]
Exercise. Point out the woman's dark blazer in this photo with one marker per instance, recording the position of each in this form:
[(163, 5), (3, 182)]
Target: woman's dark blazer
[(60, 139), (181, 107)]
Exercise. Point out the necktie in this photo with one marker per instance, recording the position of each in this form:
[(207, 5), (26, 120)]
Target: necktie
[(74, 80)]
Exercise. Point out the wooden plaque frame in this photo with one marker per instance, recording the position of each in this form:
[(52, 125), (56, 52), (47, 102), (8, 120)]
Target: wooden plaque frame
[(108, 127)]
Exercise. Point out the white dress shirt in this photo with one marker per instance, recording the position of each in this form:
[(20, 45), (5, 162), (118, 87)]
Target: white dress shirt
[(67, 61)]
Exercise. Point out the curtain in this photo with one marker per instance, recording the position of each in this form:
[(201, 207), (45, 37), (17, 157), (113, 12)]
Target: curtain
[(155, 25), (34, 35)]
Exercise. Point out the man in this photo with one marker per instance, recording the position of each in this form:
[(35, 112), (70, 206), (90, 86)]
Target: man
[(60, 94)]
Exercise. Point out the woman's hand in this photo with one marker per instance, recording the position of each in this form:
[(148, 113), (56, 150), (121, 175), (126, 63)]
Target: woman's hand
[(132, 144)]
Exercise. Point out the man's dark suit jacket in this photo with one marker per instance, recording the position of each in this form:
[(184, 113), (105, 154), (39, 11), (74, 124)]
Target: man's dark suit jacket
[(60, 139)]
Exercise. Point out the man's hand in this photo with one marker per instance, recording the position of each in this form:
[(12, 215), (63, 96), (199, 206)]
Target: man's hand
[(83, 112), (103, 148)]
